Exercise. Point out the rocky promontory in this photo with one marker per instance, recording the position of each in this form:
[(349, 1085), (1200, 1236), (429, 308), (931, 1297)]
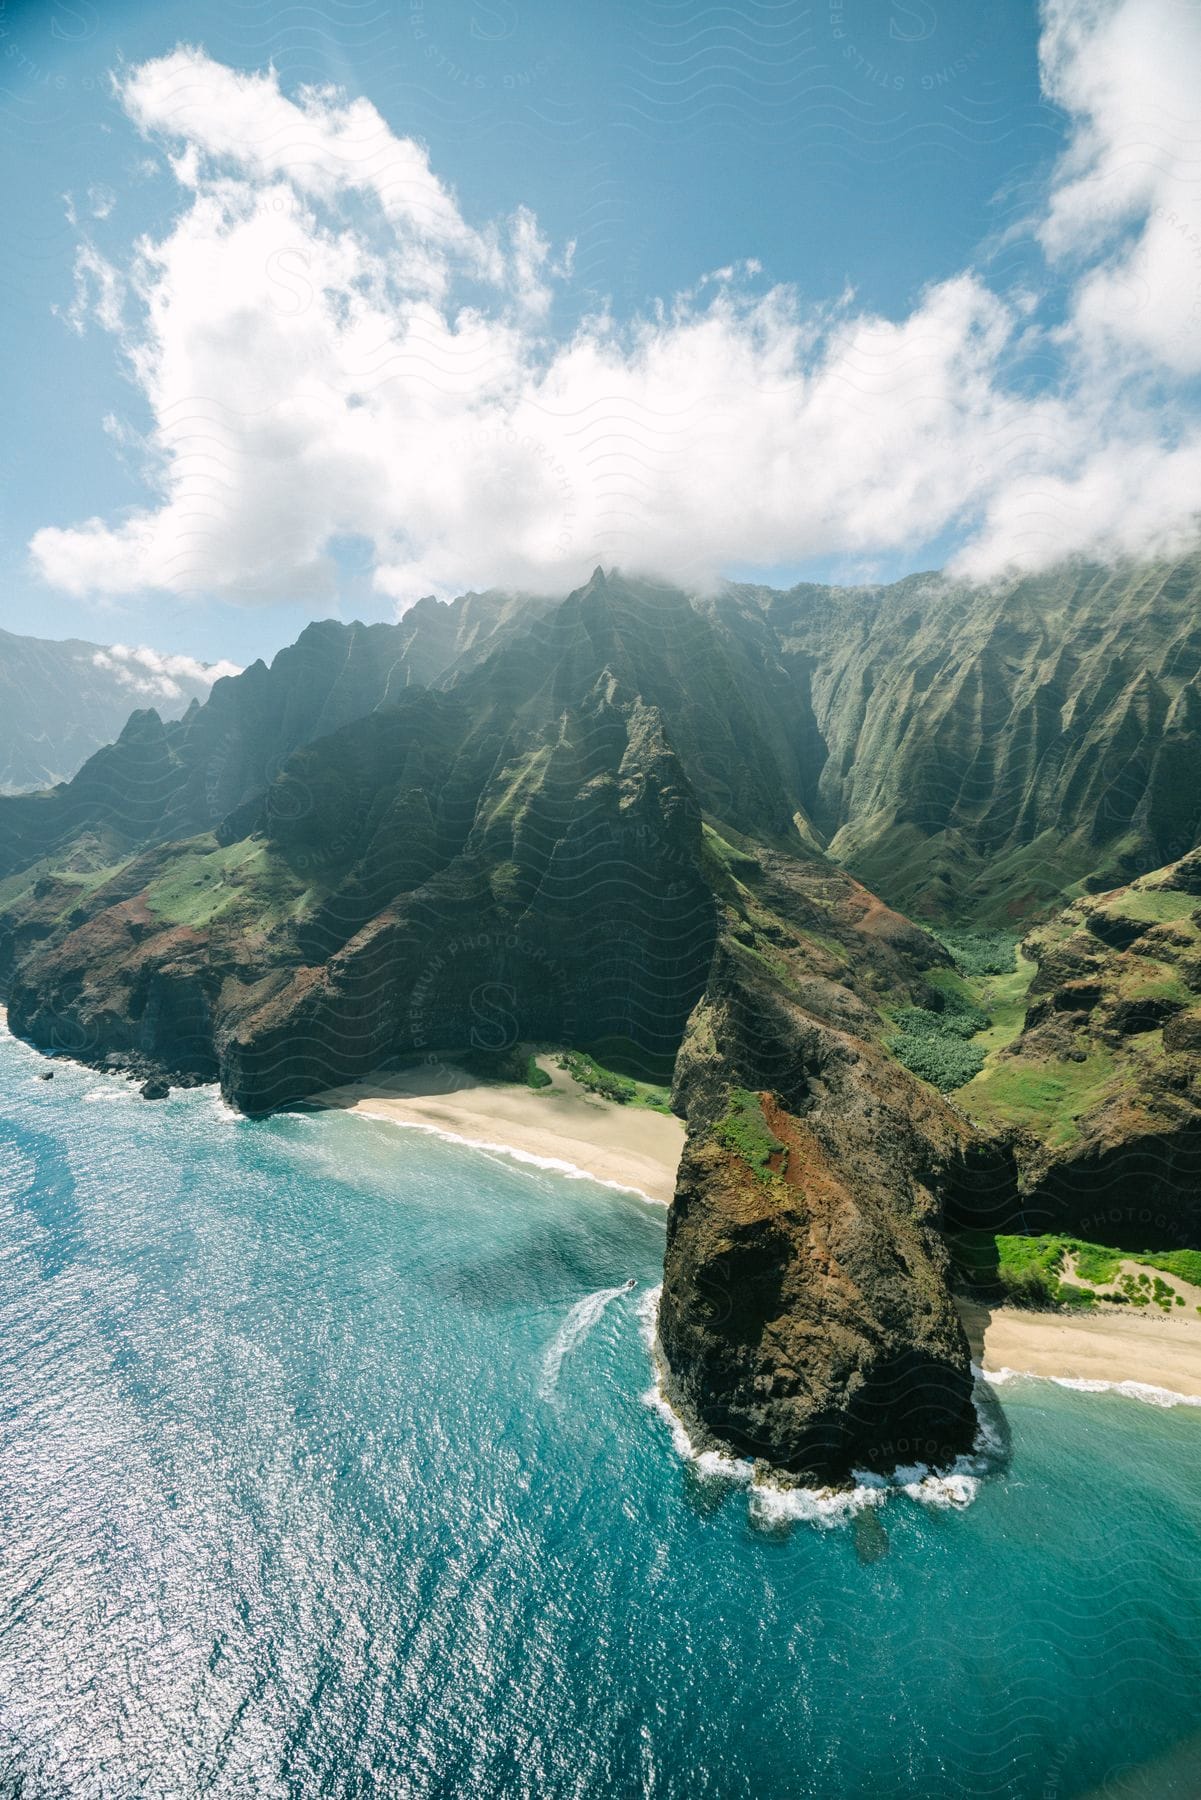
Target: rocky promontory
[(806, 1317)]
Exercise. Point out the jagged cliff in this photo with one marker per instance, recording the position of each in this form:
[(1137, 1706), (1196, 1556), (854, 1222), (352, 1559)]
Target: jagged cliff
[(61, 700), (806, 1316), (981, 749), (423, 890), (602, 823)]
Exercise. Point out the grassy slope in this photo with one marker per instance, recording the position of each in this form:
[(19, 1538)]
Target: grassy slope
[(1049, 1098), (208, 881)]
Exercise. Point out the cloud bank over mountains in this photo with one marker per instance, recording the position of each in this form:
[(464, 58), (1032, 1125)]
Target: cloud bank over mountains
[(331, 353)]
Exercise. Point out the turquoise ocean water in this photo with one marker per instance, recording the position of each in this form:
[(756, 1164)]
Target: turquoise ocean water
[(327, 1468)]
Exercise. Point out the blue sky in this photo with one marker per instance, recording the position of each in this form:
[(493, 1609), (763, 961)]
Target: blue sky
[(840, 162)]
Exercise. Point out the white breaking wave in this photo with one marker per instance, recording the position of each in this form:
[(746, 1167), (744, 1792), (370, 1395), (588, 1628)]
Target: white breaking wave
[(954, 1488), (578, 1323), (1082, 1384)]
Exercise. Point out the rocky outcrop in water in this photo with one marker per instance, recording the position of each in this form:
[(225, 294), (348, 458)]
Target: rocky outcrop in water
[(806, 1317)]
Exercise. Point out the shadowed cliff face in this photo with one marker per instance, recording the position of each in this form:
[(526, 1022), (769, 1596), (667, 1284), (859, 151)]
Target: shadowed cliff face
[(963, 750), (160, 782), (982, 749), (421, 891)]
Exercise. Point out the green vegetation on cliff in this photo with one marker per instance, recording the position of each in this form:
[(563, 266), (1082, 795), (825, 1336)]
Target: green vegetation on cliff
[(987, 748), (746, 1132), (979, 951), (625, 1090), (971, 753), (1115, 980), (937, 1044), (973, 1009), (1042, 1096)]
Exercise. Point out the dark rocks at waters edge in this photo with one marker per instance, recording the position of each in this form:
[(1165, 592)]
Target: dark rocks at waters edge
[(46, 1075), (154, 1090)]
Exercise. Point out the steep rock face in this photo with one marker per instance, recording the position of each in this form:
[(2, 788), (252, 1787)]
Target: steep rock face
[(161, 781), (805, 1317), (599, 823), (574, 911), (743, 756), (983, 748), (522, 856), (962, 749)]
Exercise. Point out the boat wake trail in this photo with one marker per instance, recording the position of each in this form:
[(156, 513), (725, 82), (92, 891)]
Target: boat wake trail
[(575, 1327)]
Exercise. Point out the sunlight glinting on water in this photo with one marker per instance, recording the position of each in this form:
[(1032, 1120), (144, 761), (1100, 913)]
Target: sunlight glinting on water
[(328, 1468)]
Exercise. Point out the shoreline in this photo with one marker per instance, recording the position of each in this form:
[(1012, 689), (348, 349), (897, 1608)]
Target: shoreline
[(571, 1132), (1161, 1356), (575, 1133), (561, 1127)]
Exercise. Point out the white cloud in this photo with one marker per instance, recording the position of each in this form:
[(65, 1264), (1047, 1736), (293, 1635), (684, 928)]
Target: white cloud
[(1128, 499), (1130, 183), (322, 144), (156, 675), (99, 291), (312, 376)]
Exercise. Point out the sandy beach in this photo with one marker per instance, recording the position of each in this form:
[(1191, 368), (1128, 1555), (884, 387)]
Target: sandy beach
[(634, 1148), (1146, 1348), (629, 1146)]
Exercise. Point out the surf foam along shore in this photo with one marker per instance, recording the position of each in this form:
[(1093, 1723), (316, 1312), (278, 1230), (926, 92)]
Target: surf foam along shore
[(774, 1501), (1141, 1354), (561, 1127)]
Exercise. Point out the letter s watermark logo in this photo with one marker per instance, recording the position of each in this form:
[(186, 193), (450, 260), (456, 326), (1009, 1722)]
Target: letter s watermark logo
[(493, 21), (73, 22), (291, 282), (495, 1026), (912, 21)]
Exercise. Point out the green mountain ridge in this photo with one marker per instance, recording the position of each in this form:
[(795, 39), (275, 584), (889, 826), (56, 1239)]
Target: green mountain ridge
[(657, 826), (986, 748)]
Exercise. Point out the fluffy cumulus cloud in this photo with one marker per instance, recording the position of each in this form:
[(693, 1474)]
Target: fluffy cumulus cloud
[(1126, 204), (330, 351), (155, 675), (323, 145)]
